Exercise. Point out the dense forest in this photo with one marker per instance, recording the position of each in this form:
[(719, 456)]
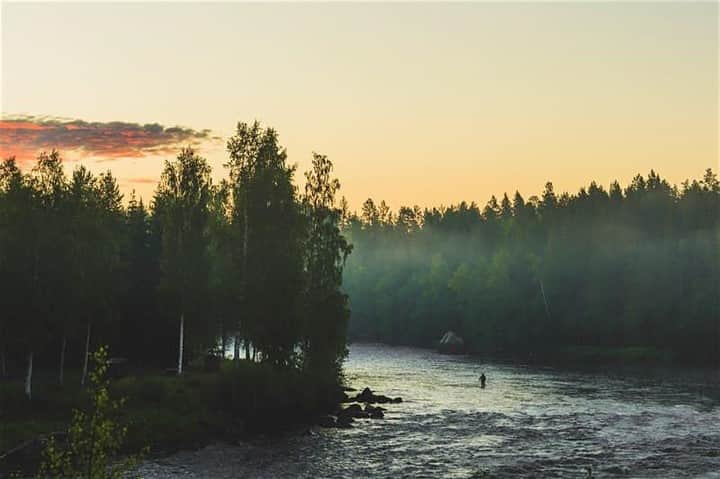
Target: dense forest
[(624, 268), (255, 262), (252, 259)]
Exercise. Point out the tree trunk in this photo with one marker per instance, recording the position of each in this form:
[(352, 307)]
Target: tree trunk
[(61, 378), (28, 377), (243, 285), (87, 355), (3, 364), (180, 349), (542, 290), (223, 342), (236, 348), (246, 231)]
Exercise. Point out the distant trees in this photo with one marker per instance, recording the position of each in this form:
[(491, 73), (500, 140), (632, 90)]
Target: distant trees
[(607, 268), (249, 257)]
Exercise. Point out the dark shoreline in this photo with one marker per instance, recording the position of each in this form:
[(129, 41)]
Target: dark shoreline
[(170, 413)]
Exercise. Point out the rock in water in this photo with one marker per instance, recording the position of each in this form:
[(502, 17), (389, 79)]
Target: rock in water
[(451, 343), (344, 421), (326, 421), (374, 412)]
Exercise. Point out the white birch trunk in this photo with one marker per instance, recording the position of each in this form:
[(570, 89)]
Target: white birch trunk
[(61, 378), (28, 377), (180, 349), (87, 355), (246, 233)]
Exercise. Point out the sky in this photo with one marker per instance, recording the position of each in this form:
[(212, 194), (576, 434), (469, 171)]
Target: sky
[(415, 103)]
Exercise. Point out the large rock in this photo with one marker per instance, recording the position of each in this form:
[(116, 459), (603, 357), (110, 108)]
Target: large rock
[(326, 421), (451, 343), (365, 396), (354, 411), (344, 422), (368, 397), (374, 412)]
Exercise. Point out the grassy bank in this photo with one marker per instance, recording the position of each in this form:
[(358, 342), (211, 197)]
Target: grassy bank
[(167, 413)]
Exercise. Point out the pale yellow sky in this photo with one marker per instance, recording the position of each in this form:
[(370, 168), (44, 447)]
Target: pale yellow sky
[(421, 103)]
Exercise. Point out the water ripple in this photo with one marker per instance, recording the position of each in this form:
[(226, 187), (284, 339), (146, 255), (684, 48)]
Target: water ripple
[(528, 422)]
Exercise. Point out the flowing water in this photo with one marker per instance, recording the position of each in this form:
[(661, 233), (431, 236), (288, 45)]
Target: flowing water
[(528, 422)]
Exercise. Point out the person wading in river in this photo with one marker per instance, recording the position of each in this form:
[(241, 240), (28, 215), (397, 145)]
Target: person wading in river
[(482, 380)]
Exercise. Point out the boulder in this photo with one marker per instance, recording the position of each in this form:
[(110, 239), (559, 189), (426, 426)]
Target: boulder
[(368, 397), (374, 412), (344, 422), (326, 421), (451, 343), (353, 411), (365, 396)]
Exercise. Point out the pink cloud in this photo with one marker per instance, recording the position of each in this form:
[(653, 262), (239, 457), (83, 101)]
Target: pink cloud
[(25, 136)]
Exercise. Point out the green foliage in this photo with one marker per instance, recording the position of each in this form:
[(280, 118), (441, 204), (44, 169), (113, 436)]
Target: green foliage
[(181, 204), (249, 258), (268, 221), (324, 305), (94, 438), (616, 270)]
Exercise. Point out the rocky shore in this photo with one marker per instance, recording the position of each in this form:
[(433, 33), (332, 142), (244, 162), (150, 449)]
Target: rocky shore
[(361, 406)]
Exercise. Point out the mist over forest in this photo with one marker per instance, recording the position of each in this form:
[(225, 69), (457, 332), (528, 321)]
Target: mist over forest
[(633, 269)]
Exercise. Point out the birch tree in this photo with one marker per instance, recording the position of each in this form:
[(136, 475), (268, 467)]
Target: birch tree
[(325, 310), (19, 269), (182, 202), (266, 211)]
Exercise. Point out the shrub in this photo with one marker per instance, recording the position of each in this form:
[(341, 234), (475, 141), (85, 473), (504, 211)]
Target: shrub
[(94, 438)]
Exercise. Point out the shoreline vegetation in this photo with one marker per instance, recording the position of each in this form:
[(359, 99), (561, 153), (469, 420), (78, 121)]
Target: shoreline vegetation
[(618, 273), (163, 414), (253, 259), (167, 413)]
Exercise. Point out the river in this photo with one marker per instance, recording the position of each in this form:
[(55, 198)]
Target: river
[(528, 422)]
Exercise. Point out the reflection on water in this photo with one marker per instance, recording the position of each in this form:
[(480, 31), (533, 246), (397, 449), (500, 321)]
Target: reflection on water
[(529, 421)]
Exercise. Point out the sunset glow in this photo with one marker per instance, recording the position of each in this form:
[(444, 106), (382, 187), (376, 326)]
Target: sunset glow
[(414, 103)]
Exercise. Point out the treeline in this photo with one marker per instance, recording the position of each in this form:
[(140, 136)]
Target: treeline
[(251, 258), (635, 267)]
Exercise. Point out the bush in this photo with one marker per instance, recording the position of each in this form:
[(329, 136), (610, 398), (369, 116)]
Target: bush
[(94, 439)]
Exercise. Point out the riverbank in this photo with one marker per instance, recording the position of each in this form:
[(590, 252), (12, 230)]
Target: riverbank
[(530, 421), (169, 413)]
